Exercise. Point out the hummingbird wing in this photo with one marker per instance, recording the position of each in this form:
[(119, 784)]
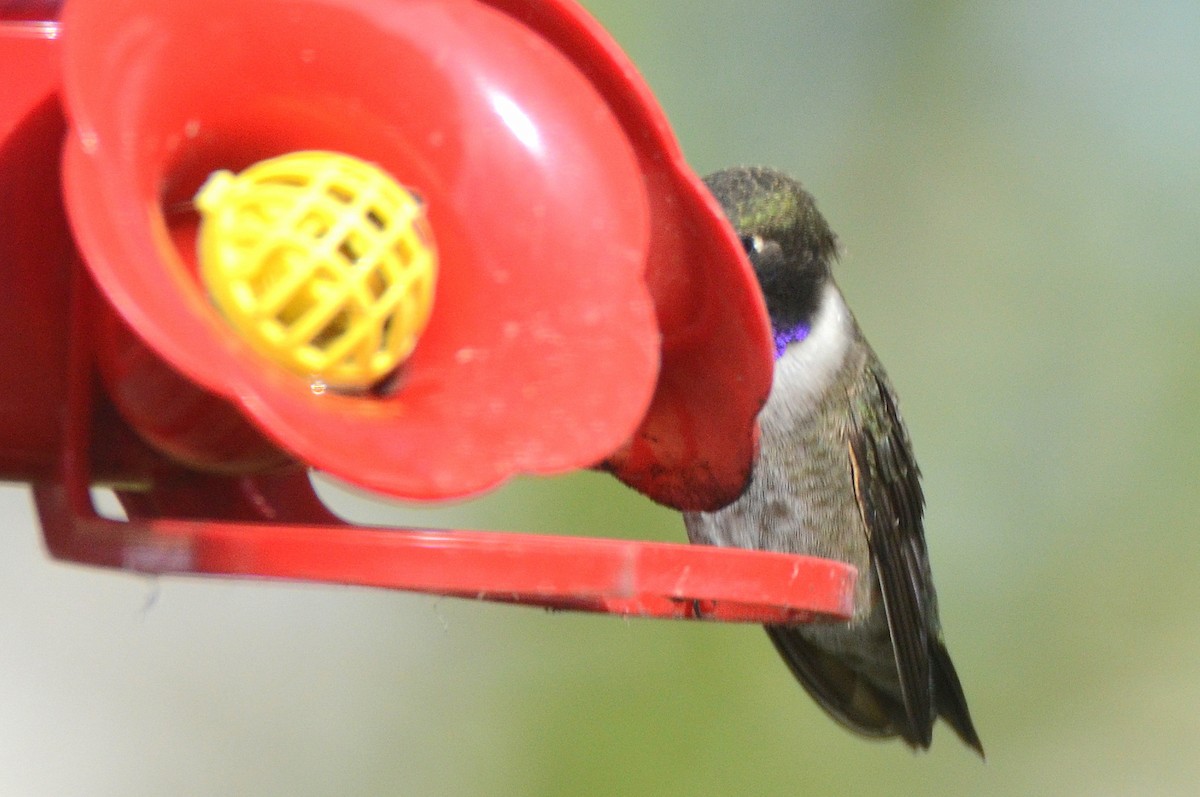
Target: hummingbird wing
[(888, 491), (847, 694)]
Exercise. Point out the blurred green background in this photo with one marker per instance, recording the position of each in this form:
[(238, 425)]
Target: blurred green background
[(1016, 189)]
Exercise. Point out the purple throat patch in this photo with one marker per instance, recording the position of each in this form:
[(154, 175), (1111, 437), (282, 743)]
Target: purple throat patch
[(785, 336)]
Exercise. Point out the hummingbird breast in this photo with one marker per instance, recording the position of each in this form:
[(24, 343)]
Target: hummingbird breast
[(801, 498)]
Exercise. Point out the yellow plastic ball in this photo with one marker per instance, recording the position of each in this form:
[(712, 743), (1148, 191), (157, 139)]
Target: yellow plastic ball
[(321, 261)]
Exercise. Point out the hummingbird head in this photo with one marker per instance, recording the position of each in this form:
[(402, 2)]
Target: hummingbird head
[(789, 244)]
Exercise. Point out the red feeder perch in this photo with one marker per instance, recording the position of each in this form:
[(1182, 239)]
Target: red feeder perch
[(591, 309)]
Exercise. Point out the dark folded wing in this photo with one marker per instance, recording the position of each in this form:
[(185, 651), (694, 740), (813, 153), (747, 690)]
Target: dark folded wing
[(887, 487)]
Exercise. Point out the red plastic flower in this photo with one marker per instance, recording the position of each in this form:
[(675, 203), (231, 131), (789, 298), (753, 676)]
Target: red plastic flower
[(592, 305)]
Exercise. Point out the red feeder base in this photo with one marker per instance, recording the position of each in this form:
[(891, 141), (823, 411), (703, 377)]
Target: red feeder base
[(275, 527)]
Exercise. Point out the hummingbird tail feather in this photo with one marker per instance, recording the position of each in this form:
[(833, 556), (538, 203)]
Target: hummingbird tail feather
[(863, 706), (951, 702), (845, 695)]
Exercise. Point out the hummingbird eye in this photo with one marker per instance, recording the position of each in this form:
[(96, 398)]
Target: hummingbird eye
[(753, 244)]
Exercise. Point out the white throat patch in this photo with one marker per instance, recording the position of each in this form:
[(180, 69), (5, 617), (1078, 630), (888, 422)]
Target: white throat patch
[(807, 367)]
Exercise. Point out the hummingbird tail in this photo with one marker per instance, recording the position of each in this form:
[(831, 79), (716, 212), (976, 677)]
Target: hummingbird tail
[(951, 702), (845, 694), (864, 706)]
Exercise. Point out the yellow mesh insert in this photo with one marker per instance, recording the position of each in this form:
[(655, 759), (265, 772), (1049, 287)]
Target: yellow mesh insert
[(321, 261)]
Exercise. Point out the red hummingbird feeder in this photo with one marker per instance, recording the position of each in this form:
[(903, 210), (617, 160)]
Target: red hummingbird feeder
[(421, 245)]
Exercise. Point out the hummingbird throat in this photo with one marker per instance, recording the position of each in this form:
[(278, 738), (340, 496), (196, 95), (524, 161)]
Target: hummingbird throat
[(785, 336)]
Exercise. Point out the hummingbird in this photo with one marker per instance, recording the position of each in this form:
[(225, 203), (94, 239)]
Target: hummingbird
[(835, 477)]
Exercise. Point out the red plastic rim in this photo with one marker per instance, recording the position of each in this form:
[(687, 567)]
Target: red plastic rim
[(543, 350)]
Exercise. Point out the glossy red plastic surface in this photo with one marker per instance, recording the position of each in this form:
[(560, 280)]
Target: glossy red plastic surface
[(35, 249), (542, 351), (274, 526), (193, 427), (694, 448), (29, 10)]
